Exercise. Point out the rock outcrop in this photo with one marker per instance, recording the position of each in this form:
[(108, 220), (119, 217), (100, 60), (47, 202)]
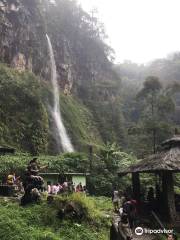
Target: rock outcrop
[(22, 31), (23, 25), (84, 68)]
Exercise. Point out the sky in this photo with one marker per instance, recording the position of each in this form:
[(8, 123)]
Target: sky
[(139, 30)]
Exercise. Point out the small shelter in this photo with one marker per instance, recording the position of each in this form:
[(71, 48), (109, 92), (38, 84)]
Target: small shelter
[(164, 163)]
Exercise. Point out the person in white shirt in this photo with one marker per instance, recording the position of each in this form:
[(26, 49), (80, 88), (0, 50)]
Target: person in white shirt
[(55, 189), (116, 200), (49, 188)]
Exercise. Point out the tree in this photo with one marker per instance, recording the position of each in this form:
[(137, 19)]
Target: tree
[(156, 112), (106, 164)]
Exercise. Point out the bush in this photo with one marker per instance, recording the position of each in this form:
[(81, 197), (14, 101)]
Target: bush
[(69, 162), (92, 209), (40, 222)]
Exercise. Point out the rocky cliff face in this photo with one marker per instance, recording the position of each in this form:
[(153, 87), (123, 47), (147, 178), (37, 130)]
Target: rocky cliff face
[(82, 58), (23, 25), (22, 31), (23, 43)]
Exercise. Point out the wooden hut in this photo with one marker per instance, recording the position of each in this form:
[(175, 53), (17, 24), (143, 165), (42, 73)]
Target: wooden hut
[(164, 163)]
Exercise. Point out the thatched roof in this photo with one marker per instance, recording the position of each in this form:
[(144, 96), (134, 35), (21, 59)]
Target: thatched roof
[(168, 159), (172, 142)]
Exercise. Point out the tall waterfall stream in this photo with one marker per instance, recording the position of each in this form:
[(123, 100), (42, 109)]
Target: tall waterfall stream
[(62, 136)]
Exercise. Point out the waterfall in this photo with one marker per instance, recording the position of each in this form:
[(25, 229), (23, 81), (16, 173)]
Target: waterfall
[(63, 137)]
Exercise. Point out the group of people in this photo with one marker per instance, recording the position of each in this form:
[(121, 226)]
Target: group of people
[(66, 187), (128, 209), (32, 180)]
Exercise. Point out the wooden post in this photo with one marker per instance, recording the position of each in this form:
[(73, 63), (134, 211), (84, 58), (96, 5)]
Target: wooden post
[(90, 157), (168, 196), (136, 186)]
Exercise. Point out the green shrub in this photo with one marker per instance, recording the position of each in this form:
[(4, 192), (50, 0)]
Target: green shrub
[(93, 210), (69, 162), (80, 123), (40, 222), (24, 119)]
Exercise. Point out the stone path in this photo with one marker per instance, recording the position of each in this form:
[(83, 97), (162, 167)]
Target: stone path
[(116, 219), (144, 237)]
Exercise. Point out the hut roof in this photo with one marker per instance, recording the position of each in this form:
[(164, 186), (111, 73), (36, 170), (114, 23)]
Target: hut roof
[(168, 159), (172, 142)]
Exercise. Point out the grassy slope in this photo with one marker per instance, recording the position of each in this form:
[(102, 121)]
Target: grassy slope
[(40, 222), (79, 122), (24, 104)]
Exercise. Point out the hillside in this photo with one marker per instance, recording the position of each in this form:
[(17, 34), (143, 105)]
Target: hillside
[(98, 99), (34, 223), (25, 119), (88, 84), (137, 102)]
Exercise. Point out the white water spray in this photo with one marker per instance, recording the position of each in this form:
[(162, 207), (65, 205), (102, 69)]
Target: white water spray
[(63, 137)]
